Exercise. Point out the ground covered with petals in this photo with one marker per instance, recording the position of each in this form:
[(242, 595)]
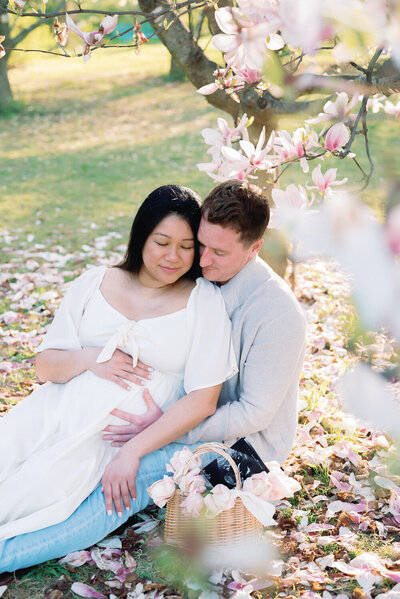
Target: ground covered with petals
[(338, 536)]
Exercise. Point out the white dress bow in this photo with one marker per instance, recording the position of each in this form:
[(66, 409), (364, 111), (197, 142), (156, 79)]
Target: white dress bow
[(123, 339)]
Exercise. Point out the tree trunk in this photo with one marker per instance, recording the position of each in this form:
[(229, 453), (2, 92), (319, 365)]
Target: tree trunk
[(175, 71), (5, 88)]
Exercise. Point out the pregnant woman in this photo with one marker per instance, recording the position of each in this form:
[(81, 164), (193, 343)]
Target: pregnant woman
[(151, 308)]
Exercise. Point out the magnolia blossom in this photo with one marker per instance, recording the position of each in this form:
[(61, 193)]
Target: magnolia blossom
[(225, 135), (374, 103), (293, 146), (360, 388), (346, 230), (392, 109), (339, 110), (288, 203), (259, 485), (178, 463), (231, 78), (192, 481), (337, 136), (245, 41), (219, 500), (394, 505), (61, 32), (92, 38), (323, 182), (304, 24), (281, 484), (193, 504), (162, 490), (20, 3), (393, 229)]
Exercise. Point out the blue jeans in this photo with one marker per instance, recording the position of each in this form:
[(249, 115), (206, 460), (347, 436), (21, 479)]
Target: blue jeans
[(88, 524)]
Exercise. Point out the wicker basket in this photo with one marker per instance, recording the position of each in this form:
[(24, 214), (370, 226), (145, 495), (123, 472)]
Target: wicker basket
[(234, 526)]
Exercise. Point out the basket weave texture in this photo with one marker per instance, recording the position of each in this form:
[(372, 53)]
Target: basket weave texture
[(230, 527)]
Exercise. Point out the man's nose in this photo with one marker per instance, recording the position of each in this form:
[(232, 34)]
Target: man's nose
[(205, 257)]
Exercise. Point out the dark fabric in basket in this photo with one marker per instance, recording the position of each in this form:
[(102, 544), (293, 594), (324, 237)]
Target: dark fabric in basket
[(247, 459)]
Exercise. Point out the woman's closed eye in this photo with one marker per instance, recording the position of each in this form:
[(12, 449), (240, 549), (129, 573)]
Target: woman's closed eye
[(183, 247)]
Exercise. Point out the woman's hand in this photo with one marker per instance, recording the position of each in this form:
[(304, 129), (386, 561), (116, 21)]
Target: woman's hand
[(119, 480), (119, 367), (119, 434)]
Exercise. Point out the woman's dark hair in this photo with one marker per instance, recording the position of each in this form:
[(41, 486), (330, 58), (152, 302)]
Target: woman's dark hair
[(162, 202)]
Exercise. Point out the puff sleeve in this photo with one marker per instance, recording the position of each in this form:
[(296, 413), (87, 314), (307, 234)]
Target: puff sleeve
[(63, 332), (211, 358)]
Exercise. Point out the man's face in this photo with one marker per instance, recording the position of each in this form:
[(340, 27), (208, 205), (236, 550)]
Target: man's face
[(222, 254)]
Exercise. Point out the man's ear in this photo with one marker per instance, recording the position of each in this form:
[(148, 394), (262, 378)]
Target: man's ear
[(256, 247)]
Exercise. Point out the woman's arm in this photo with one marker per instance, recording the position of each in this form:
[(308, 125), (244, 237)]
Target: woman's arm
[(119, 476), (60, 366)]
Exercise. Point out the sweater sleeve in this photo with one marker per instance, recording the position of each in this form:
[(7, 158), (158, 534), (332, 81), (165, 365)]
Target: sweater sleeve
[(273, 364), (63, 332)]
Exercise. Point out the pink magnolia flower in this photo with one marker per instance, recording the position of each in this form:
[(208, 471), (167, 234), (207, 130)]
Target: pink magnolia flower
[(287, 206), (192, 481), (162, 490), (245, 40), (223, 134), (219, 500), (84, 590), (178, 463), (394, 505), (92, 38), (323, 182), (258, 485), (281, 484), (339, 110), (392, 109), (258, 155), (392, 230), (374, 103), (193, 504), (77, 558), (296, 145), (337, 136), (304, 24)]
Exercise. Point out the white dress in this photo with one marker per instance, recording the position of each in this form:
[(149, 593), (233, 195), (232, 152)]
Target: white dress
[(51, 450)]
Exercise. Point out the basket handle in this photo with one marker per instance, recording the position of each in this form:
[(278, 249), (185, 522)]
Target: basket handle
[(220, 449)]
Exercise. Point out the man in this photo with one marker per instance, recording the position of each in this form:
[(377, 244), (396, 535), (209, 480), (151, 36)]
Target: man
[(260, 402)]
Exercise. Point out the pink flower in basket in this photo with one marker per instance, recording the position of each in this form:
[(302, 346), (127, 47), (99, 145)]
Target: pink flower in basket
[(178, 462), (162, 490), (271, 486), (220, 499), (282, 485), (258, 485), (193, 504), (192, 481)]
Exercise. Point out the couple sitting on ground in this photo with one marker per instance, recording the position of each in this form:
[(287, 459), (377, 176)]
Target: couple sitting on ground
[(144, 357)]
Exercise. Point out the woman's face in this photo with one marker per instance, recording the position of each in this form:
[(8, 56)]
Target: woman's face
[(168, 252)]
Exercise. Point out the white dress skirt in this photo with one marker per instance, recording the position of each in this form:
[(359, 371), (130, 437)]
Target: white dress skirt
[(51, 448)]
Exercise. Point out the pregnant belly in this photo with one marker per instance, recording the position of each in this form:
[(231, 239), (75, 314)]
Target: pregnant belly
[(87, 400)]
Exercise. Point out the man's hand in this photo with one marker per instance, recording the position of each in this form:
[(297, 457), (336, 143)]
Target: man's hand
[(119, 480), (120, 434), (119, 369)]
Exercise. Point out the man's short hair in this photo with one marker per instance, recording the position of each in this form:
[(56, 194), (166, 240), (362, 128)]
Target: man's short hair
[(239, 205)]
